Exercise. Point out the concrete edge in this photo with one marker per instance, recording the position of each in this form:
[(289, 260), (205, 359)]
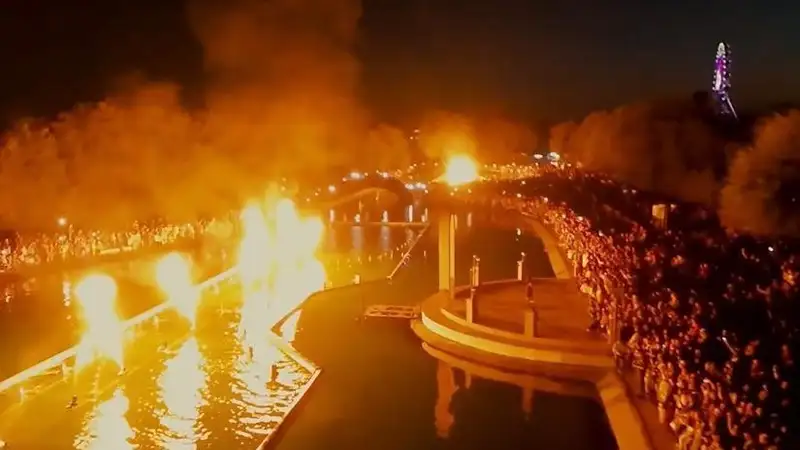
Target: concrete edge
[(559, 262), (519, 338), (482, 328), (624, 418), (514, 351), (273, 438)]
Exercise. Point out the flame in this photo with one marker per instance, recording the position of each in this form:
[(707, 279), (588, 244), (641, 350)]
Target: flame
[(461, 169), (104, 333), (174, 277), (278, 266), (289, 327), (255, 245)]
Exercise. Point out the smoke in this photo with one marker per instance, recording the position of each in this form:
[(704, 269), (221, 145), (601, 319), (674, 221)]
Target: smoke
[(446, 133), (488, 139), (760, 195), (281, 93)]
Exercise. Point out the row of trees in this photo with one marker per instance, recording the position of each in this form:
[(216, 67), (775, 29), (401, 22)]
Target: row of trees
[(680, 149), (140, 154)]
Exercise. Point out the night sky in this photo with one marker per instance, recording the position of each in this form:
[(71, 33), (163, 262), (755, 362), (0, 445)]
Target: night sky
[(530, 59)]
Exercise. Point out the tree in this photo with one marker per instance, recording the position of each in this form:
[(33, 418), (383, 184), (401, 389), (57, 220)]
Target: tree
[(665, 146), (504, 141), (33, 180)]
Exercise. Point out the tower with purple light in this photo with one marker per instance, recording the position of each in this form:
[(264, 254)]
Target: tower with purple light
[(722, 80)]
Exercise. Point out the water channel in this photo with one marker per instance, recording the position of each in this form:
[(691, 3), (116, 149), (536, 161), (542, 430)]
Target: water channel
[(379, 387)]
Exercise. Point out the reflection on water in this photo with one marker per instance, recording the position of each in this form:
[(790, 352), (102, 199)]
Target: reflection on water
[(265, 384), (446, 384), (565, 415), (183, 389), (107, 427), (216, 387), (357, 238), (385, 239)]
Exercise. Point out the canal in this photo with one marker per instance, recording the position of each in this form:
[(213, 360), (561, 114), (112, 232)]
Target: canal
[(379, 387), (39, 316)]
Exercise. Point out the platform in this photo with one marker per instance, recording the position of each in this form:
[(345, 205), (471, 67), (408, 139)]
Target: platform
[(391, 312), (495, 336), (561, 309)]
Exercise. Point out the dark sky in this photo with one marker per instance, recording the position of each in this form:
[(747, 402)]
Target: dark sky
[(535, 59)]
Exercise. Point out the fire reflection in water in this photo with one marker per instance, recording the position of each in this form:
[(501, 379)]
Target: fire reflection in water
[(107, 428), (266, 384), (182, 386)]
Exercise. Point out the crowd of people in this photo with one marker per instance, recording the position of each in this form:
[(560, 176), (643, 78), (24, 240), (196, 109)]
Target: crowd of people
[(18, 250), (709, 316)]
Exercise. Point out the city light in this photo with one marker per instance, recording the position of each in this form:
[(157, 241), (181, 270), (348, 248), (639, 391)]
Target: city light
[(460, 170)]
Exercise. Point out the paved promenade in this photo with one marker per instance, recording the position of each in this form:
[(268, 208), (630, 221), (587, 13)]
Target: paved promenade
[(561, 345)]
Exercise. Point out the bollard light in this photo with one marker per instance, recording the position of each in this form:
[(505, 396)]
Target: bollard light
[(476, 277)]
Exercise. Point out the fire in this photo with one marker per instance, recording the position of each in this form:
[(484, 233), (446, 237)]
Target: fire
[(255, 246), (174, 277), (461, 169), (96, 295), (278, 265)]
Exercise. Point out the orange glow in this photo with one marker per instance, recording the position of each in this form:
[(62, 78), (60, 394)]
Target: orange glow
[(174, 277), (461, 169), (96, 295), (182, 385), (108, 427), (278, 266)]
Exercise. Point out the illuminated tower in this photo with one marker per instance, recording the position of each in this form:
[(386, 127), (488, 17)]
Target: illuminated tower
[(722, 81)]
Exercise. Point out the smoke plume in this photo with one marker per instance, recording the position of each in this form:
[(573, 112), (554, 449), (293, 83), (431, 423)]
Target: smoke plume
[(281, 95)]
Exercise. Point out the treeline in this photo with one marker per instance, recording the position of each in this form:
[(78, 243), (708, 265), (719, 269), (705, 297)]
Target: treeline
[(140, 154), (749, 173)]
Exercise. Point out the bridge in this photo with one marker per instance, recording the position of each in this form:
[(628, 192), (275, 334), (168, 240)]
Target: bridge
[(357, 186)]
